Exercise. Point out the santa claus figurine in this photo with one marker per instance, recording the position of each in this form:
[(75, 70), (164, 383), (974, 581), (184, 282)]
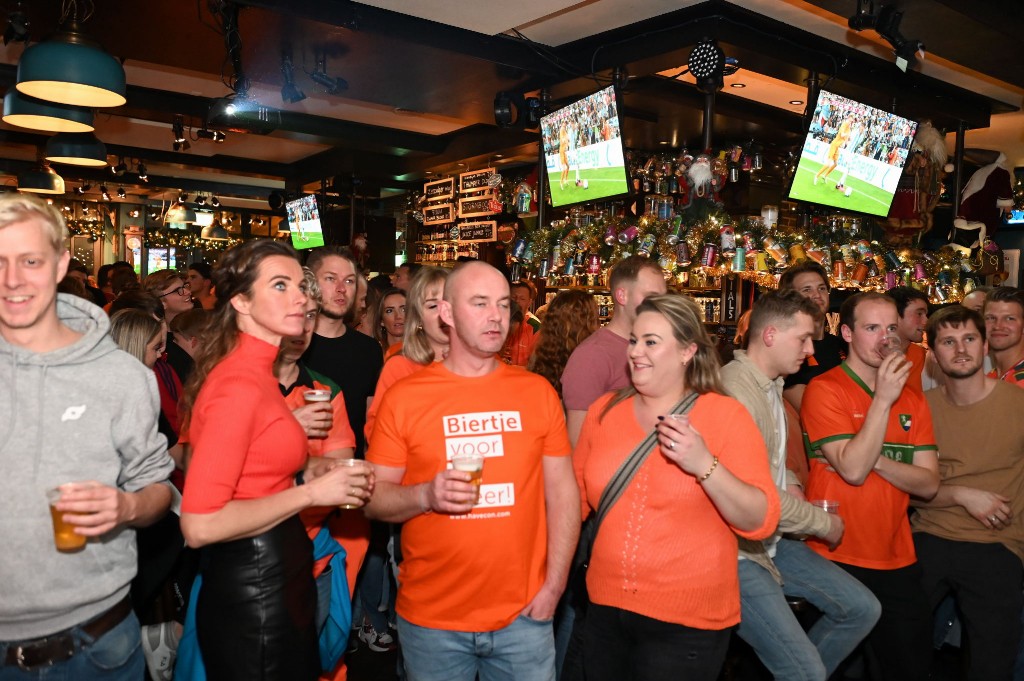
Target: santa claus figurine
[(987, 194)]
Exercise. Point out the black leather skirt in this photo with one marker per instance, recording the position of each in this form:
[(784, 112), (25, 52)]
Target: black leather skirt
[(256, 607)]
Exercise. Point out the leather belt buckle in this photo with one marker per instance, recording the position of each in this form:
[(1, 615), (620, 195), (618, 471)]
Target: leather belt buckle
[(44, 653)]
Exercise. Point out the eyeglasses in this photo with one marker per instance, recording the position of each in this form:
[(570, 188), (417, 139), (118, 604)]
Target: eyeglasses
[(183, 290)]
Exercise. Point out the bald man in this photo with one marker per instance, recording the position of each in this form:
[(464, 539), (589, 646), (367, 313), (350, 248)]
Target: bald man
[(485, 561)]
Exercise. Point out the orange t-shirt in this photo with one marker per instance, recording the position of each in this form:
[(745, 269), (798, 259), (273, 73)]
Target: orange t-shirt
[(472, 572), (395, 369), (918, 355), (663, 550), (1014, 375), (393, 350), (877, 529)]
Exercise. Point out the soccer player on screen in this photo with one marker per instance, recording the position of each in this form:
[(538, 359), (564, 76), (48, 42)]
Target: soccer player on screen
[(832, 157), (847, 154), (563, 153)]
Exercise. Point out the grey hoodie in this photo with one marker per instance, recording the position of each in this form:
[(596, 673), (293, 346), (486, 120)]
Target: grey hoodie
[(87, 411)]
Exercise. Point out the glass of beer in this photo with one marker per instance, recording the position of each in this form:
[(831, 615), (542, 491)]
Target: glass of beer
[(63, 533), (353, 463), (472, 464), (891, 344), (320, 396), (827, 505)]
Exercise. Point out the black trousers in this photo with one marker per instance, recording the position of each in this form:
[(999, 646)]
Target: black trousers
[(901, 641), (256, 608), (985, 579), (619, 645)]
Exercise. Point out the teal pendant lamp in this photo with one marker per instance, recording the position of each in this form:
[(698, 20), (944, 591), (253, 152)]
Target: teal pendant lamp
[(40, 179), (71, 69), (37, 114), (76, 148), (214, 232)]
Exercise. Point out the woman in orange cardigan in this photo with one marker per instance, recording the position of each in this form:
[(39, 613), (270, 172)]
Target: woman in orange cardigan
[(663, 579)]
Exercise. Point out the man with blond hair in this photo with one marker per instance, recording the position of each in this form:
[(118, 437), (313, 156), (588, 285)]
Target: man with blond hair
[(66, 612)]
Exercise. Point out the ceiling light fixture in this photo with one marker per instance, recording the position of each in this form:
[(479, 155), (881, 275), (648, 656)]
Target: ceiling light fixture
[(289, 92), (796, 102), (178, 128), (76, 148), (143, 176), (215, 202), (215, 135), (214, 232), (707, 65), (36, 114), (179, 214), (737, 85), (104, 193), (121, 193), (120, 169), (40, 179), (71, 69), (17, 27), (331, 86), (200, 200)]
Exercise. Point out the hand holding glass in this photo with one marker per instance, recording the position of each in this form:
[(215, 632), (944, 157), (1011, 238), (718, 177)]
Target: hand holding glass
[(472, 464)]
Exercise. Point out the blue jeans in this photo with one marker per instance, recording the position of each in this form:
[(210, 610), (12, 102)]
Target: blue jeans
[(522, 651), (849, 611), (115, 656)]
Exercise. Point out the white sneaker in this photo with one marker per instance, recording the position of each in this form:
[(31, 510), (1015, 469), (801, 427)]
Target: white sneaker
[(378, 643), (160, 648)]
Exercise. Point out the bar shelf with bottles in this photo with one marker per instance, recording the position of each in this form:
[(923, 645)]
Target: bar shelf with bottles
[(444, 253)]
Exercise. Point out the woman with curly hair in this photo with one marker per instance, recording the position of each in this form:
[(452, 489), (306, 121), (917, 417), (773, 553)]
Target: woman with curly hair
[(571, 317)]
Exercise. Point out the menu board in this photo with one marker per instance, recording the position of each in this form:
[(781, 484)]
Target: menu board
[(475, 180), (439, 214), (476, 232), (476, 206), (439, 190)]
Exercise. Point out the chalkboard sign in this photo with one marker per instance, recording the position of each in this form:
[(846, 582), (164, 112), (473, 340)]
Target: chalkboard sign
[(476, 232), (439, 189), (475, 180), (439, 214), (476, 206)]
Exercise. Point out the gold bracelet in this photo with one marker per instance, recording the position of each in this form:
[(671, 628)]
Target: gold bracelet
[(714, 465)]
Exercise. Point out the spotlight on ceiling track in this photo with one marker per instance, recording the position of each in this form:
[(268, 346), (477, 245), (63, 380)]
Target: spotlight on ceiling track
[(143, 176), (887, 24), (215, 202), (121, 193), (331, 86), (17, 27), (178, 128), (214, 135), (120, 169), (289, 92), (104, 193), (707, 65), (200, 200)]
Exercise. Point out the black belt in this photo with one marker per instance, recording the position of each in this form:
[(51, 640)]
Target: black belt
[(49, 650)]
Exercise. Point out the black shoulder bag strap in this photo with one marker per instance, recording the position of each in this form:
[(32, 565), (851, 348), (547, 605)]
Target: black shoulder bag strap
[(627, 471)]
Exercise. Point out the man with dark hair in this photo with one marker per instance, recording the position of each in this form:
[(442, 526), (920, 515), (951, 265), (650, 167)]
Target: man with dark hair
[(403, 275), (970, 536), (1004, 325), (599, 363), (79, 418), (871, 448), (810, 280), (347, 357), (103, 281), (912, 308), (80, 272), (200, 280), (782, 325)]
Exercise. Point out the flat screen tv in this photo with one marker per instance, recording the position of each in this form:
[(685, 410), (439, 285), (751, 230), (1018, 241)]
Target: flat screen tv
[(304, 222), (583, 150), (853, 156)]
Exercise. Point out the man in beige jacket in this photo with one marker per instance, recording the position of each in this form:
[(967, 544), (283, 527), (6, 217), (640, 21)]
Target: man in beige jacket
[(780, 338)]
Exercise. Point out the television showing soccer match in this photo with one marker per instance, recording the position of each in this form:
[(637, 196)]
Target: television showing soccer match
[(853, 156), (583, 150), (304, 222)]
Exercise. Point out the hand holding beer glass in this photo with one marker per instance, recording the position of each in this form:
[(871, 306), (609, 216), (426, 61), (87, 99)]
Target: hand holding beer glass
[(64, 535), (317, 416), (474, 465), (347, 483)]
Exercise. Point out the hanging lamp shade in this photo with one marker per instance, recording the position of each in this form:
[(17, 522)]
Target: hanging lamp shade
[(40, 179), (77, 149), (179, 214), (214, 232), (37, 114), (71, 69)]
